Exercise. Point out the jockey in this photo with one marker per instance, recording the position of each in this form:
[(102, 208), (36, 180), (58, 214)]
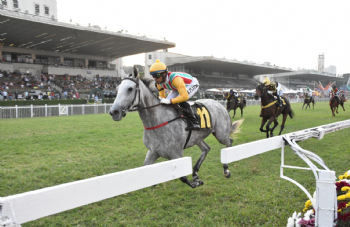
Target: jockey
[(275, 88), (182, 86), (309, 93), (335, 92)]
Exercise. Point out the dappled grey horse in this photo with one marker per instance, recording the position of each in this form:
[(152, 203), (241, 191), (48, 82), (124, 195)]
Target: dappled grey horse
[(164, 134)]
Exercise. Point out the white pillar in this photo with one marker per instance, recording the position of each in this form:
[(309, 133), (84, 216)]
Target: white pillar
[(326, 210)]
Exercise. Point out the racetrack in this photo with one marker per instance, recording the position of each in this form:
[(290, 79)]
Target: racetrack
[(43, 152)]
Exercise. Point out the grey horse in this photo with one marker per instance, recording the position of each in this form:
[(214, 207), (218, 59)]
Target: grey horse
[(164, 134)]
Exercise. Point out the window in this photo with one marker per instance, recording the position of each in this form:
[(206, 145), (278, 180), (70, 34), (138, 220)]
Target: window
[(4, 2), (150, 56), (15, 3), (47, 10), (37, 9)]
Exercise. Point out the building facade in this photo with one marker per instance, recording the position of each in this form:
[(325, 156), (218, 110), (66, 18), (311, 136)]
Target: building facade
[(42, 8)]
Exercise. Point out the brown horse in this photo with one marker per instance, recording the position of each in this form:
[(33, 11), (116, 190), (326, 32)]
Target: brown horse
[(232, 104), (308, 100), (334, 104), (270, 111)]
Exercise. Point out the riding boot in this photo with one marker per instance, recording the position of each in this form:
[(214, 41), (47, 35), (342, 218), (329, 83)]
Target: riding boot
[(192, 120), (279, 100)]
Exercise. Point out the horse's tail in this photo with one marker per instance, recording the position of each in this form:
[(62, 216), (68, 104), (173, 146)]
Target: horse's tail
[(291, 113), (235, 127)]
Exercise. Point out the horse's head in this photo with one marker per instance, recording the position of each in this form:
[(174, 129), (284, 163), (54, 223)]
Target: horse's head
[(260, 90), (128, 96)]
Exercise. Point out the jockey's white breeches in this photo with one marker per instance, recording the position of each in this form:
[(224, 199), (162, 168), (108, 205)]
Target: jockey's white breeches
[(191, 89)]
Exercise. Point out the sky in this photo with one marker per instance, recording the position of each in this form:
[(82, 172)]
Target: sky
[(286, 33)]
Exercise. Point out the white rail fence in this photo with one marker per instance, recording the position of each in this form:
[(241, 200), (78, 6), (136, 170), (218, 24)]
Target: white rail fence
[(326, 197), (60, 110), (29, 206), (52, 110)]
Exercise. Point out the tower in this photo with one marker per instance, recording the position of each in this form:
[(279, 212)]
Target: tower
[(320, 62)]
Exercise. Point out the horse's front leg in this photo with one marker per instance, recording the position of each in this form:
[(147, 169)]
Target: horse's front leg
[(234, 113), (274, 126), (268, 126), (151, 158), (263, 121), (241, 112), (303, 106)]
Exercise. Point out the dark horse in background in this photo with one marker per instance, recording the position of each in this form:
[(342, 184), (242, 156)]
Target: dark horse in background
[(232, 104), (270, 111), (335, 102), (308, 100)]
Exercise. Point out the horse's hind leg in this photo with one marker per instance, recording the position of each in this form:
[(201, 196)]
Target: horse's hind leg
[(226, 140), (303, 106), (205, 150), (241, 111), (284, 120), (234, 113)]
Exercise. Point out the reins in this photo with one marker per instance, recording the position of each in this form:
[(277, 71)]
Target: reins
[(148, 107)]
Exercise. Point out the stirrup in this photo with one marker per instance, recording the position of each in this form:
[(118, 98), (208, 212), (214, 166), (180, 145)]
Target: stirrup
[(193, 127)]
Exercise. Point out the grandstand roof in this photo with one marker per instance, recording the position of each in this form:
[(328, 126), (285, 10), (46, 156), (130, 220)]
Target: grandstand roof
[(32, 32), (309, 75), (225, 65)]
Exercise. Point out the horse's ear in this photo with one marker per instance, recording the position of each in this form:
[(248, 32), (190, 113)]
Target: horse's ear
[(123, 74), (136, 71)]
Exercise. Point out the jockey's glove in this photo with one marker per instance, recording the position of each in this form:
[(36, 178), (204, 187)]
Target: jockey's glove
[(165, 101)]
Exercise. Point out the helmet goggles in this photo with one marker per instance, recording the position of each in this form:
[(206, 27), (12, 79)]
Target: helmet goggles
[(157, 75)]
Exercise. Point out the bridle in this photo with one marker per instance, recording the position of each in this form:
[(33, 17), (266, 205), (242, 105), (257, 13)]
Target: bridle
[(262, 89), (134, 105)]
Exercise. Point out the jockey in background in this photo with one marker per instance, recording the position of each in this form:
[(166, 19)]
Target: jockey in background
[(309, 93), (275, 87), (182, 86), (335, 93), (232, 95)]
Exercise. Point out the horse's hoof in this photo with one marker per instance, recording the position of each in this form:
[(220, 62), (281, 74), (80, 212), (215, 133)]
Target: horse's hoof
[(198, 183), (227, 174)]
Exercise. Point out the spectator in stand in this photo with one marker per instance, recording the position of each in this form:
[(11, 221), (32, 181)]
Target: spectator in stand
[(65, 94), (16, 95), (10, 95), (4, 93)]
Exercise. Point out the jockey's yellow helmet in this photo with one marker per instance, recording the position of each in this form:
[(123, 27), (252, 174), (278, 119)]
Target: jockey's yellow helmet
[(266, 81), (157, 67)]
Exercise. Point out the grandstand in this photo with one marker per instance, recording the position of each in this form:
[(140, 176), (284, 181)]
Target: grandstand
[(223, 73), (34, 43)]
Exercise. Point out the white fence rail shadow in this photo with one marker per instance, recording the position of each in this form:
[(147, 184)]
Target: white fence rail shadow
[(28, 206), (326, 197)]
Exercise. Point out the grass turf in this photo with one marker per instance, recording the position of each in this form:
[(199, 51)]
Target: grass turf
[(42, 152)]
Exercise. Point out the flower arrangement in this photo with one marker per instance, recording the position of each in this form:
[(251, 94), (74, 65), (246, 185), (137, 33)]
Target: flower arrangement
[(343, 197)]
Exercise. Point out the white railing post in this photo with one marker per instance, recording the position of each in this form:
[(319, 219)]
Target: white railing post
[(31, 110), (59, 109), (94, 108), (72, 109), (16, 111), (45, 110), (105, 107), (83, 111), (326, 199)]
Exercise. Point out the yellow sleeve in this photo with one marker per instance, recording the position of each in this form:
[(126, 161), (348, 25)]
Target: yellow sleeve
[(181, 88), (162, 92)]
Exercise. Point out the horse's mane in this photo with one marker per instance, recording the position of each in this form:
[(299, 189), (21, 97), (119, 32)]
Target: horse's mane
[(150, 84)]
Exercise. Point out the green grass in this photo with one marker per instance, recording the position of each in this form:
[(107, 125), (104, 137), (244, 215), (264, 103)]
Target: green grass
[(42, 152)]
